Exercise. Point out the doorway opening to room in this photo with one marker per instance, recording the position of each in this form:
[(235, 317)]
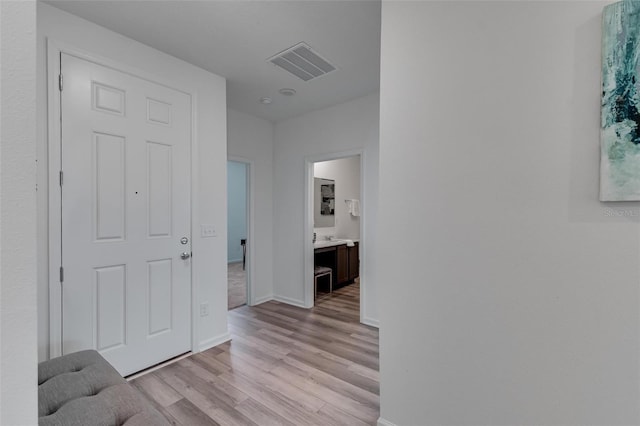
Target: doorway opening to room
[(237, 233), (335, 212)]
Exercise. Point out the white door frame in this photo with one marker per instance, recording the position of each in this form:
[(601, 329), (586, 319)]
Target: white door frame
[(250, 224), (54, 145), (308, 224)]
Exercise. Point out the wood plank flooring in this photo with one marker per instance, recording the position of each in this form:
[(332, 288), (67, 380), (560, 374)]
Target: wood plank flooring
[(236, 285), (284, 366)]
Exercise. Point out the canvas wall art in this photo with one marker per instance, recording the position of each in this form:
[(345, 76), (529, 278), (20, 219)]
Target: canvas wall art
[(328, 202), (620, 134)]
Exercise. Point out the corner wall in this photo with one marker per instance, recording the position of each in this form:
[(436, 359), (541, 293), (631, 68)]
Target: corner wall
[(251, 139), (18, 314), (515, 291), (348, 126), (209, 273)]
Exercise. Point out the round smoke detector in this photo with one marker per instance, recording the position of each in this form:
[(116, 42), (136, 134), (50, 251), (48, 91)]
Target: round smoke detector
[(287, 92)]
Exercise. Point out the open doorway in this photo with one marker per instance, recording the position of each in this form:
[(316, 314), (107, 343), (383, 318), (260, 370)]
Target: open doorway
[(237, 232), (336, 212)]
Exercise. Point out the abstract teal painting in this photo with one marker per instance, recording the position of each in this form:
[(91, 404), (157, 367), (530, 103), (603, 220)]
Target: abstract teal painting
[(620, 133)]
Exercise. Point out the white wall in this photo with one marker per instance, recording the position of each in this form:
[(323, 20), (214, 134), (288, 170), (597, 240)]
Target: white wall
[(515, 292), (18, 315), (251, 139), (209, 273), (349, 126), (346, 174)]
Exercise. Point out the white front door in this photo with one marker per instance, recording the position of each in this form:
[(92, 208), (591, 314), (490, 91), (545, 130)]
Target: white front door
[(125, 216)]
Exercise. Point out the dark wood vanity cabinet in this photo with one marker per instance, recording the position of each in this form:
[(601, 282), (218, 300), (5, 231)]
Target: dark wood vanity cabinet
[(343, 260), (354, 262)]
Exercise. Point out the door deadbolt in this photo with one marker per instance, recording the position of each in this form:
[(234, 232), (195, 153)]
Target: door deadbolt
[(184, 240)]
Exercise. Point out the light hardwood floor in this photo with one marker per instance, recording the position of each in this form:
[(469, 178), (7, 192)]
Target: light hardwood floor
[(284, 366), (236, 285)]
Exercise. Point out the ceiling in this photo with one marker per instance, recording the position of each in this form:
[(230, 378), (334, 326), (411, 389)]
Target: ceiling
[(234, 39)]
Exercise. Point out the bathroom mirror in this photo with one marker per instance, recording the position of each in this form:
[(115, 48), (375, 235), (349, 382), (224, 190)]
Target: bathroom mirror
[(324, 203)]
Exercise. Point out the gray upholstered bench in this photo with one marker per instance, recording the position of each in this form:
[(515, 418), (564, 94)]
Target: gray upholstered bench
[(83, 389)]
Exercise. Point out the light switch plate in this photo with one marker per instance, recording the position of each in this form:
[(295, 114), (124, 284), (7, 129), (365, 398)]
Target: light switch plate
[(207, 231), (204, 309)]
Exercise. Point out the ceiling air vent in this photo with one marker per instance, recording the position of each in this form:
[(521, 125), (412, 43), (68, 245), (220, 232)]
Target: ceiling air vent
[(302, 62)]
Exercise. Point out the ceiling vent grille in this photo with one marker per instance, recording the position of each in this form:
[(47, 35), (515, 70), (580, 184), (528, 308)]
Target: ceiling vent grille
[(302, 62)]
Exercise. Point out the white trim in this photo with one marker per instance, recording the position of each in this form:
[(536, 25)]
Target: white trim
[(307, 236), (195, 224), (264, 299), (249, 264), (54, 144), (370, 322), (290, 301), (214, 341), (308, 224), (384, 422), (362, 247), (54, 212)]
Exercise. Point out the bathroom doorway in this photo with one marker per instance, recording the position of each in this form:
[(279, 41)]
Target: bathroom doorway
[(334, 219), (237, 233)]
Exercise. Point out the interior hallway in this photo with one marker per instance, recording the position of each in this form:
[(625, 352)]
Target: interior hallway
[(285, 365)]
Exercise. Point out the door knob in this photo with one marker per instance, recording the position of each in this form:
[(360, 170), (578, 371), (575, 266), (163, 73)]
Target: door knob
[(185, 255)]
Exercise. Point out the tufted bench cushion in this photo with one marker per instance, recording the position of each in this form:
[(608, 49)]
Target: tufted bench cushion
[(83, 389)]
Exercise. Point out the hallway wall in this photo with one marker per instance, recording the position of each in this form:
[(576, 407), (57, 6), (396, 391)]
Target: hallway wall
[(515, 297), (18, 286), (251, 139), (344, 127), (209, 266)]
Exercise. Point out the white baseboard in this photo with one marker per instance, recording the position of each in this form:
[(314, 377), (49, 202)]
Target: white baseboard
[(215, 341), (371, 322), (262, 299), (384, 422), (234, 261), (290, 301)]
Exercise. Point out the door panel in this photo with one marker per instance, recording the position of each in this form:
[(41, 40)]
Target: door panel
[(109, 187), (159, 207), (110, 290), (125, 206), (160, 288)]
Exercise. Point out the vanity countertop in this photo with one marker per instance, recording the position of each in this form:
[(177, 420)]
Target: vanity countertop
[(331, 243)]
